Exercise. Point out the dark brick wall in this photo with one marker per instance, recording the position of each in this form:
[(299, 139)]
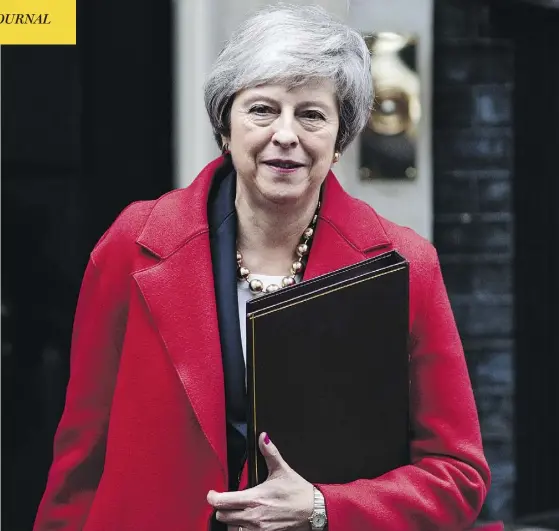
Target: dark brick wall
[(473, 158)]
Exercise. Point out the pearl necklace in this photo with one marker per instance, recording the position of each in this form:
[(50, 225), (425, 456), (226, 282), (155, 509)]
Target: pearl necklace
[(297, 268)]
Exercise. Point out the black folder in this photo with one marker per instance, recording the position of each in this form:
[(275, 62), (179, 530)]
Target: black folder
[(328, 373)]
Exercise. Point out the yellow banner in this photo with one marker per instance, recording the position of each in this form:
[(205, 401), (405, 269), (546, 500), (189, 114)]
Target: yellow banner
[(37, 21)]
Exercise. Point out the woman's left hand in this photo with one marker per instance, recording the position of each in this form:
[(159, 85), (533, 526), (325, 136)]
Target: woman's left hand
[(283, 502)]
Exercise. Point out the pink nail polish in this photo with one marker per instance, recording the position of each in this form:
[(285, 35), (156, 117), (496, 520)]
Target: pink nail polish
[(266, 439)]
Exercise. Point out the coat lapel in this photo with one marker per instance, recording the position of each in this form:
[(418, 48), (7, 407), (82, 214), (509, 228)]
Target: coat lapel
[(223, 242), (348, 231), (180, 296)]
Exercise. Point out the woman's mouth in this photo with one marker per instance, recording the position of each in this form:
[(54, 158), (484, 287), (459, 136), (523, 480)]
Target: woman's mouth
[(283, 165)]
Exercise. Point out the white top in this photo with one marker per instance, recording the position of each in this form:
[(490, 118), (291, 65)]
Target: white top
[(244, 295)]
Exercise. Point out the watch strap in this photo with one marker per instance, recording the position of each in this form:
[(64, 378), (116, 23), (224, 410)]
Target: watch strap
[(319, 504), (319, 512)]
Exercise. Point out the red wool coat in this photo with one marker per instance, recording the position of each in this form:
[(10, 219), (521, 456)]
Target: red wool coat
[(142, 437)]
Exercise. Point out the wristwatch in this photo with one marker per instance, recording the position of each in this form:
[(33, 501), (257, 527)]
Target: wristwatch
[(318, 518)]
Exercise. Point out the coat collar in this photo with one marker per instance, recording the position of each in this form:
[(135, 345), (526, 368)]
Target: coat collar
[(182, 214)]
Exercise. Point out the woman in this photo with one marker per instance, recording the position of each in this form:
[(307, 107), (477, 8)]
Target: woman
[(153, 432)]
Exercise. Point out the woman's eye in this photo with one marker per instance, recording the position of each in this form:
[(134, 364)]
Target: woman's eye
[(312, 115), (261, 110)]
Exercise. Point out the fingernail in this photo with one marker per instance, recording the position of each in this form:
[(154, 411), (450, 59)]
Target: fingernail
[(266, 439)]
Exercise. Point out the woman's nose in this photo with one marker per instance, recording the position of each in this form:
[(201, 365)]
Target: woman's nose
[(284, 135)]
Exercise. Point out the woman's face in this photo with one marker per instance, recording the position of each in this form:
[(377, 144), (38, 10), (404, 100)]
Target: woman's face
[(282, 141)]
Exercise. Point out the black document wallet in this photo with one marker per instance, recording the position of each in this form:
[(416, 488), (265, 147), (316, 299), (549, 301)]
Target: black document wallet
[(328, 373)]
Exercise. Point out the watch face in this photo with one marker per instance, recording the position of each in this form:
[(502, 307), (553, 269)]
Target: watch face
[(318, 520)]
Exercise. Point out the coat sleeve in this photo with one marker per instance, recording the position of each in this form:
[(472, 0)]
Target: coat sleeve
[(446, 483), (80, 440)]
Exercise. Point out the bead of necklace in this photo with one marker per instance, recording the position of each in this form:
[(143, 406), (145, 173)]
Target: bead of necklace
[(297, 267)]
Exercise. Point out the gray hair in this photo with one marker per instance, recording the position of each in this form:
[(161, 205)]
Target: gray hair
[(291, 46)]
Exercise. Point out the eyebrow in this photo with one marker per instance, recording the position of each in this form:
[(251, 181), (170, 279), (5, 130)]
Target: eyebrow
[(306, 103)]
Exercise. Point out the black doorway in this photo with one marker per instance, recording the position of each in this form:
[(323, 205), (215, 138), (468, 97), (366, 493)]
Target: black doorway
[(86, 130)]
